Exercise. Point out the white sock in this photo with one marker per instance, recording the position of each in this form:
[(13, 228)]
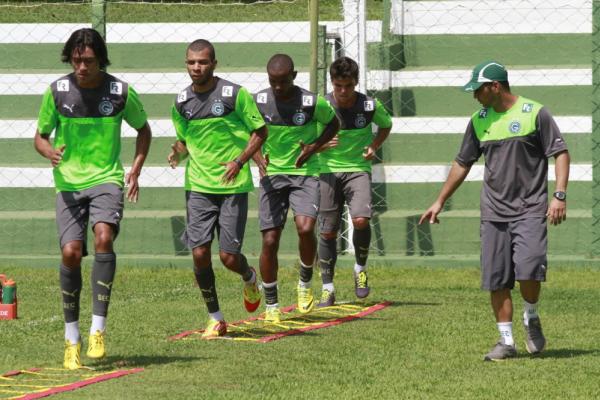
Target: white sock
[(359, 268), (529, 311), (305, 285), (98, 324), (329, 287), (506, 335), (217, 316), (72, 332), (271, 306)]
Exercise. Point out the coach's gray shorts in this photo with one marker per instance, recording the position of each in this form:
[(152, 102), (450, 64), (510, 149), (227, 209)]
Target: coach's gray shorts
[(225, 212), (353, 188), (278, 192), (513, 251), (102, 203)]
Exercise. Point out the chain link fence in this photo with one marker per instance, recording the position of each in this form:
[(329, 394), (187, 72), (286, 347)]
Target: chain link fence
[(414, 59)]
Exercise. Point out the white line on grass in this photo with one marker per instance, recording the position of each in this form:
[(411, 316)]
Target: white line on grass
[(173, 82), (216, 32), (166, 177), (506, 17), (25, 128)]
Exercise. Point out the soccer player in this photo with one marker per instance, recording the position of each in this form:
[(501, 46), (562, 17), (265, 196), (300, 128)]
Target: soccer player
[(85, 109), (289, 175), (218, 125), (346, 174), (516, 136)]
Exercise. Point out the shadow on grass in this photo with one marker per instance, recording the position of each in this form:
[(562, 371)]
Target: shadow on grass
[(411, 303), (113, 362), (567, 353)]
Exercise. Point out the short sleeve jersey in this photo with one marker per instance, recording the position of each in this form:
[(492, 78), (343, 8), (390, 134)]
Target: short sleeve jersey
[(215, 127), (355, 134), (516, 145), (291, 122), (88, 123)]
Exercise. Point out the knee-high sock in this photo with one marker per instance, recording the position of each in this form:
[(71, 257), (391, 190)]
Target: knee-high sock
[(103, 274), (361, 240), (327, 259), (70, 286), (206, 281)]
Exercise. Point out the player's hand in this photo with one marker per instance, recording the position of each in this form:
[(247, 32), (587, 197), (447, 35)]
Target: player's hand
[(557, 211), (306, 150), (232, 169), (369, 153), (262, 165), (331, 144), (173, 157), (133, 188), (57, 154), (432, 214)]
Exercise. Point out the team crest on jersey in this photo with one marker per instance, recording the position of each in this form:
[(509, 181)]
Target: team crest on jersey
[(182, 97), (369, 105), (514, 127), (106, 107), (360, 121), (188, 114), (307, 101), (299, 118), (527, 108), (217, 108), (227, 91), (116, 88), (483, 113), (261, 98), (62, 85)]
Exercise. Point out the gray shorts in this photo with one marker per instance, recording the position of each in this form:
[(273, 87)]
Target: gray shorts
[(278, 192), (353, 188), (225, 212), (102, 203), (512, 251)]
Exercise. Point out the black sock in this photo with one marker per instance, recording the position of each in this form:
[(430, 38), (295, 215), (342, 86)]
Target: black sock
[(306, 274), (206, 281), (270, 293), (361, 240), (245, 270), (103, 274), (327, 258), (70, 286)]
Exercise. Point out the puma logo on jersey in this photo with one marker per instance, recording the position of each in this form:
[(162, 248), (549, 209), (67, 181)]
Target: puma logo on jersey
[(106, 285), (73, 294), (69, 107)]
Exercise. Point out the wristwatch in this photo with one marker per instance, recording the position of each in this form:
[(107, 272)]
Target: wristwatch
[(239, 162), (562, 196)]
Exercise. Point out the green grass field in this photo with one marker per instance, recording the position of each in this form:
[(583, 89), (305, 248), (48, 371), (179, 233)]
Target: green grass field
[(428, 345)]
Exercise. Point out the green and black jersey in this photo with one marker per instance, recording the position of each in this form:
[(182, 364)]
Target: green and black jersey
[(215, 127), (355, 134), (88, 124), (516, 145), (291, 122)]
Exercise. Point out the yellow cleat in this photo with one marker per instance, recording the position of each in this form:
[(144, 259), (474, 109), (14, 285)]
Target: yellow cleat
[(96, 345), (306, 300), (214, 329), (72, 355), (273, 315)]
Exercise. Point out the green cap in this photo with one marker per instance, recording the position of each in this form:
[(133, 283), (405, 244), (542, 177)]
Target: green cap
[(487, 71)]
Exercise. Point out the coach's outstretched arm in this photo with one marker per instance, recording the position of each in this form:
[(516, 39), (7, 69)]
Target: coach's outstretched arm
[(455, 178), (307, 150), (142, 146)]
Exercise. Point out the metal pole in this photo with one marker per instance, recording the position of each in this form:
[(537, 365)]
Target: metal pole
[(595, 243), (99, 17), (314, 44)]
